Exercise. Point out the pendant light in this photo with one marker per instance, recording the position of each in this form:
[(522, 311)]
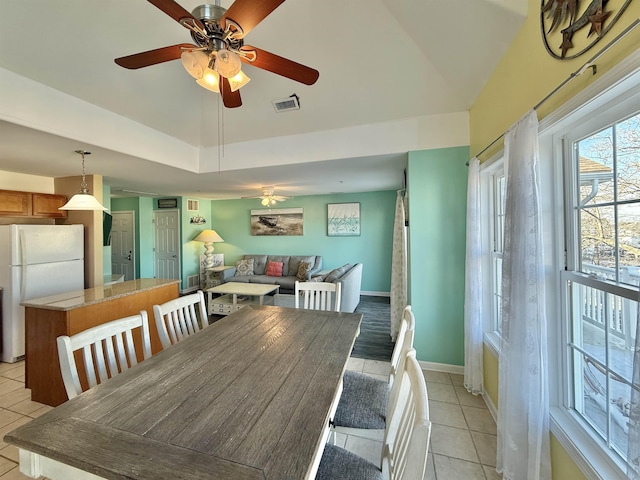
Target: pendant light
[(83, 200)]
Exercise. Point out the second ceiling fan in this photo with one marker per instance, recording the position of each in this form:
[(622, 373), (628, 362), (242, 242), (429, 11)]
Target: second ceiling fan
[(215, 61)]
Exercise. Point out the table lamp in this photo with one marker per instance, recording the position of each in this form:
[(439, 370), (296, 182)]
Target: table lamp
[(208, 237)]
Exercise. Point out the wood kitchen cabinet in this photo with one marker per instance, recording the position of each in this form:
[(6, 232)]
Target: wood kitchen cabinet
[(47, 205), (27, 204)]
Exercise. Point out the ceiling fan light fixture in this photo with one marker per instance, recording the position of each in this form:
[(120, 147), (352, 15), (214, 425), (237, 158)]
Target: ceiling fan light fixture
[(265, 201), (210, 80), (227, 63), (195, 63), (238, 81)]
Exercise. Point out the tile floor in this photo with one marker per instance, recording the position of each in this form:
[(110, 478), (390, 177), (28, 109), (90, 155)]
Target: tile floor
[(463, 432), (463, 435)]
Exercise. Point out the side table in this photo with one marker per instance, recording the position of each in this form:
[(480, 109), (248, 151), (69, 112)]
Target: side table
[(214, 276)]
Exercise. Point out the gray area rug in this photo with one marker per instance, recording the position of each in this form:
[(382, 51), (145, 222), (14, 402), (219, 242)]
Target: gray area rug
[(374, 341)]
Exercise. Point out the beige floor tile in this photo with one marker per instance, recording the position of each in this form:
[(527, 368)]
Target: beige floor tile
[(10, 452), (7, 417), (355, 364), (40, 411), (430, 471), (16, 396), (6, 465), (14, 474), (485, 447), (479, 419), (367, 449), (466, 398), (457, 380), (436, 377), (16, 370), (453, 442), (10, 385), (448, 468), (377, 367), (27, 407), (490, 473), (449, 414), (442, 392)]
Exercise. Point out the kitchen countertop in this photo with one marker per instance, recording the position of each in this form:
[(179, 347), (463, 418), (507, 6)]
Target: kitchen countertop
[(81, 298)]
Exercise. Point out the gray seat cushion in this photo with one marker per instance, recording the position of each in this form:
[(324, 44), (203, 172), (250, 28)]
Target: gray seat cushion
[(340, 464), (363, 403)]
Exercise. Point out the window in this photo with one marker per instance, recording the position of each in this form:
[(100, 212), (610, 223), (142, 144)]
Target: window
[(600, 283), (493, 189)]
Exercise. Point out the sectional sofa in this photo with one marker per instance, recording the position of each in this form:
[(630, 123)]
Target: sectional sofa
[(349, 275)]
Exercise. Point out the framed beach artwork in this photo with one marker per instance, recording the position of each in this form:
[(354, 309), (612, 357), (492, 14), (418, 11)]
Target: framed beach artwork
[(343, 219), (277, 221)]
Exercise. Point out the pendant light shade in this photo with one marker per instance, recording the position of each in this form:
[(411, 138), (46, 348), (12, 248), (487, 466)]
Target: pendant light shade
[(83, 200)]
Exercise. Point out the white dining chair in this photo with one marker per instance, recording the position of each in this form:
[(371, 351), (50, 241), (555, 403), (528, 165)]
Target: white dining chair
[(107, 350), (179, 318), (318, 295), (364, 402), (406, 437)]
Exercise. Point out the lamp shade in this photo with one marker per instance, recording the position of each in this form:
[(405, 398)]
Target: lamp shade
[(210, 80), (195, 63), (238, 81), (227, 63), (208, 236), (83, 201)]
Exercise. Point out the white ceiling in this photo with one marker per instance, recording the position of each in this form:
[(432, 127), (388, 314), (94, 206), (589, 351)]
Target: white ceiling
[(379, 61)]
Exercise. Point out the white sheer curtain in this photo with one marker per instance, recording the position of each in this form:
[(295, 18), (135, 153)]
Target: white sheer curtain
[(523, 405), (633, 445), (473, 285), (398, 266)]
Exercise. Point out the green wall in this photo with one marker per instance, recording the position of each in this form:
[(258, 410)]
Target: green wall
[(231, 219), (437, 189)]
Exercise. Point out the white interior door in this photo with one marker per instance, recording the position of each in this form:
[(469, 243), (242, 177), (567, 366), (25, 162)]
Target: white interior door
[(167, 244), (123, 250)]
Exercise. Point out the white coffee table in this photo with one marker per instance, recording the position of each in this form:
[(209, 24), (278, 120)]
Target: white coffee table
[(235, 295)]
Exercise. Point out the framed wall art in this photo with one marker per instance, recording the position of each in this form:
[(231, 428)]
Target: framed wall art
[(277, 221), (343, 219)]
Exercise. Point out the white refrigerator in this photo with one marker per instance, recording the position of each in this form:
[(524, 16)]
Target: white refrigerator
[(35, 261)]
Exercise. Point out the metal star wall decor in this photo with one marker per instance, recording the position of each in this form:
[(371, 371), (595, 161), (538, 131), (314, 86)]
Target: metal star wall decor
[(561, 22)]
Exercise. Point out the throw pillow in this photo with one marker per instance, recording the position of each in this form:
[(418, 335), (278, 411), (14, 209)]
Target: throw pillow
[(303, 269), (244, 267), (274, 269), (337, 273)]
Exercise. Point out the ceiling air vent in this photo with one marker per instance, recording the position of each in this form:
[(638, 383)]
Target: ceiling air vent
[(284, 105)]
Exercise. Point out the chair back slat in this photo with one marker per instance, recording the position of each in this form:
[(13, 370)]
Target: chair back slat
[(181, 317), (318, 295), (107, 350), (406, 440), (404, 341)]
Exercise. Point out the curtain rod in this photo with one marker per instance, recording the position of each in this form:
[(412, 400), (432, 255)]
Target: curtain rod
[(588, 64)]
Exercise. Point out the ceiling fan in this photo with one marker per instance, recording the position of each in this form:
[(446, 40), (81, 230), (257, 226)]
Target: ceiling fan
[(216, 59), (269, 197)]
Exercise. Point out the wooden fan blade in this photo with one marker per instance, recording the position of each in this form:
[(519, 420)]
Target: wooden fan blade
[(280, 65), (175, 11), (152, 57), (229, 98), (249, 13)]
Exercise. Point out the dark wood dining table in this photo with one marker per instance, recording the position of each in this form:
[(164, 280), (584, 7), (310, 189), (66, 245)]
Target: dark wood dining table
[(248, 397)]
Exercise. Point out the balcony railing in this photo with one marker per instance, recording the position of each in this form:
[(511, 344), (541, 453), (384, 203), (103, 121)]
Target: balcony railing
[(606, 309)]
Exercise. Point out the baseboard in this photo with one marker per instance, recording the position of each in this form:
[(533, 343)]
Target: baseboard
[(442, 367), (492, 408), (375, 294), (186, 291)]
